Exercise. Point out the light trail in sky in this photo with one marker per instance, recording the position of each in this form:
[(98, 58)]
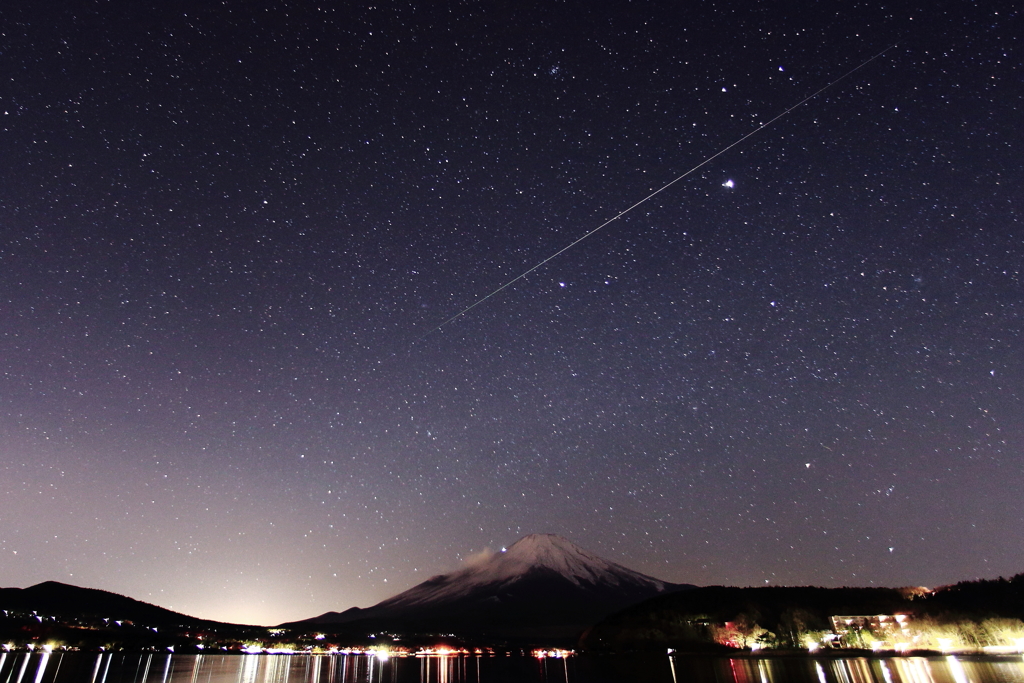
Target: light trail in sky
[(661, 189)]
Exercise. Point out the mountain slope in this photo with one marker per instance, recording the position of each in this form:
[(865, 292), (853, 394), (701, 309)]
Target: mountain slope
[(52, 598), (542, 586)]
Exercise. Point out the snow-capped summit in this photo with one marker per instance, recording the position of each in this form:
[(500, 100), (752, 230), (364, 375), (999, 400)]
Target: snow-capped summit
[(557, 554), (531, 557), (543, 584)]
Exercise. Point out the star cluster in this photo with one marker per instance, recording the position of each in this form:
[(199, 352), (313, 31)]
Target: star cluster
[(231, 232)]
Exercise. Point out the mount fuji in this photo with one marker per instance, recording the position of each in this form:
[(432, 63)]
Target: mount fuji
[(541, 586)]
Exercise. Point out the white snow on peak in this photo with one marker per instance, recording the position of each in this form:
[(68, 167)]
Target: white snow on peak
[(548, 551), (536, 552)]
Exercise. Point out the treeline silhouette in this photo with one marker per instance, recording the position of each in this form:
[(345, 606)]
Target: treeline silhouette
[(968, 614)]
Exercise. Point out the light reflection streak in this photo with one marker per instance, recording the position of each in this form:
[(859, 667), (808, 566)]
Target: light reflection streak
[(741, 671), (196, 663), (248, 670), (885, 672), (443, 668), (841, 671), (96, 669), (913, 670), (375, 664), (860, 670), (957, 669), (313, 672), (42, 667), (554, 662), (56, 670), (279, 669), (24, 665), (106, 667)]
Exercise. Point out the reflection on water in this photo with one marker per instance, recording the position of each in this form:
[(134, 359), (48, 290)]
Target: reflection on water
[(60, 667)]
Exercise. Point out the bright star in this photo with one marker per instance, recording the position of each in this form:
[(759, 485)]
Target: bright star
[(729, 183)]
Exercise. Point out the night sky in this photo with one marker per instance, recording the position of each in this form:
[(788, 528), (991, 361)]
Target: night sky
[(230, 230)]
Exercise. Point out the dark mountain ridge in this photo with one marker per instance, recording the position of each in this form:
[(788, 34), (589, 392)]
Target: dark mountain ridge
[(69, 602), (541, 591), (543, 586)]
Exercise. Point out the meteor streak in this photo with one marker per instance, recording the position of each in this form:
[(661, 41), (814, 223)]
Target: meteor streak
[(661, 189)]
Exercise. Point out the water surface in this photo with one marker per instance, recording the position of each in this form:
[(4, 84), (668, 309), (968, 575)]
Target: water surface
[(75, 667)]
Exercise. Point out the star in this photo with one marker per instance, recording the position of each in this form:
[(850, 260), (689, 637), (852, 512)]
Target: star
[(224, 275)]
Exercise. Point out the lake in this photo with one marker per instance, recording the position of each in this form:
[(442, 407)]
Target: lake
[(74, 667)]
